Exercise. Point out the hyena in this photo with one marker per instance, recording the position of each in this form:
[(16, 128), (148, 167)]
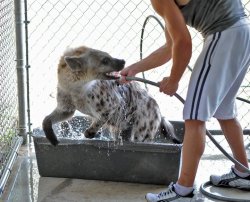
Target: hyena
[(85, 83)]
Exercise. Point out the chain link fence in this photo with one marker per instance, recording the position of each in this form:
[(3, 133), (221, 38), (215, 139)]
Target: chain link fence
[(112, 26), (8, 89), (115, 27)]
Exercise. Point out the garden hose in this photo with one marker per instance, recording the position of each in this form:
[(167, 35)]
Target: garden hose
[(219, 196)]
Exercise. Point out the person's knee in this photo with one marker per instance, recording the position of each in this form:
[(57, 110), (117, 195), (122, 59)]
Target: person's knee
[(195, 134), (195, 126)]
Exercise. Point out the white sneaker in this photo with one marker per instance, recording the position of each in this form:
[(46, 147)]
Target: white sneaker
[(168, 195), (231, 180)]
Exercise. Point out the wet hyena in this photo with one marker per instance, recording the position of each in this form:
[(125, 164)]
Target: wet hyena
[(85, 84)]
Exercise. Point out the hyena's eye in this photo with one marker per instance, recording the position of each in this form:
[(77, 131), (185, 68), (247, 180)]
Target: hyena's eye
[(105, 61)]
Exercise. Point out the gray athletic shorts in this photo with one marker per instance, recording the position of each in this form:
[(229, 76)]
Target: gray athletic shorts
[(218, 74)]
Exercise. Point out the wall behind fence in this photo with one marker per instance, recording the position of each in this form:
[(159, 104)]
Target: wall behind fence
[(112, 26), (8, 83)]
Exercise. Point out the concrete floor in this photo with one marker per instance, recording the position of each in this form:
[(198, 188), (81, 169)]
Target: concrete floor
[(25, 185)]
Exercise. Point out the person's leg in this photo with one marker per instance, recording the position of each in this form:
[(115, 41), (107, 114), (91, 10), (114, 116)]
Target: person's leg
[(237, 177), (193, 148), (234, 135)]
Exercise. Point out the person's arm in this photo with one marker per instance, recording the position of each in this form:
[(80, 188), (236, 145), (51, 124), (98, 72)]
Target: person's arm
[(181, 42), (155, 59), (178, 47)]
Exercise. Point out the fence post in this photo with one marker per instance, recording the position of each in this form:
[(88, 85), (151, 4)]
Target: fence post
[(20, 60)]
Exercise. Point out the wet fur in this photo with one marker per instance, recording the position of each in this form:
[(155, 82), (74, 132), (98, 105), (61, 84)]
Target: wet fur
[(127, 110)]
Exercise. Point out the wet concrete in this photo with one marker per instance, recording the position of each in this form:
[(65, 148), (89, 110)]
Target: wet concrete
[(26, 185)]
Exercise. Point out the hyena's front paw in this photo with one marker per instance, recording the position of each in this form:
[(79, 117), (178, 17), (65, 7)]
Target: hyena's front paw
[(90, 133)]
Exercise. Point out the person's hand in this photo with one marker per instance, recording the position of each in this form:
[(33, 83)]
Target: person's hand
[(128, 71), (168, 86)]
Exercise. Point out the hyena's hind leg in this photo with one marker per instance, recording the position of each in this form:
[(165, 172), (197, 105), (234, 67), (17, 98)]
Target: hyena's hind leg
[(56, 116)]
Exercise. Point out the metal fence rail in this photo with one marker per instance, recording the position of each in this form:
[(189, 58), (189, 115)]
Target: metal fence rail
[(8, 90)]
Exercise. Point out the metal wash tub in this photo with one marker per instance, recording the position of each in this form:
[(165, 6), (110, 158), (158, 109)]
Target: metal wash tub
[(95, 159)]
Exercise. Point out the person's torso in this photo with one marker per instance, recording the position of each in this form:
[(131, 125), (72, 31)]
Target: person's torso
[(210, 16)]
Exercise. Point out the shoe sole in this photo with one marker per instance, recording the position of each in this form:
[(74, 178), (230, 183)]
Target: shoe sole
[(226, 186)]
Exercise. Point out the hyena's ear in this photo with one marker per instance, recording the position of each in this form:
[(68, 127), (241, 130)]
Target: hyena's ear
[(75, 63)]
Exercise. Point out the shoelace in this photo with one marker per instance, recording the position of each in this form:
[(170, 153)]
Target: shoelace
[(169, 191), (228, 175)]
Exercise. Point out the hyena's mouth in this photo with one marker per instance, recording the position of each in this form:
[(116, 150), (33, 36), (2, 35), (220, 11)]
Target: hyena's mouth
[(112, 75)]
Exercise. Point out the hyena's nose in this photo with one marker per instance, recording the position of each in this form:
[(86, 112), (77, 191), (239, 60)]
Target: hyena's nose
[(119, 64), (122, 62)]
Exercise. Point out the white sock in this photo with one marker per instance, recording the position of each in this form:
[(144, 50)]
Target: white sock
[(240, 174), (181, 190)]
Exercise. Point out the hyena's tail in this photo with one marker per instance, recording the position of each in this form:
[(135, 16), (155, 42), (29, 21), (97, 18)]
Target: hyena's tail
[(168, 131), (49, 132), (49, 120)]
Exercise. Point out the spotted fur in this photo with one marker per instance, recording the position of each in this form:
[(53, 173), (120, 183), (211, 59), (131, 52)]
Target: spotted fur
[(83, 85)]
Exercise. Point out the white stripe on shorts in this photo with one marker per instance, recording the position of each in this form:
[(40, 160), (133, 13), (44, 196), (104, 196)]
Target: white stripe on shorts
[(218, 73)]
